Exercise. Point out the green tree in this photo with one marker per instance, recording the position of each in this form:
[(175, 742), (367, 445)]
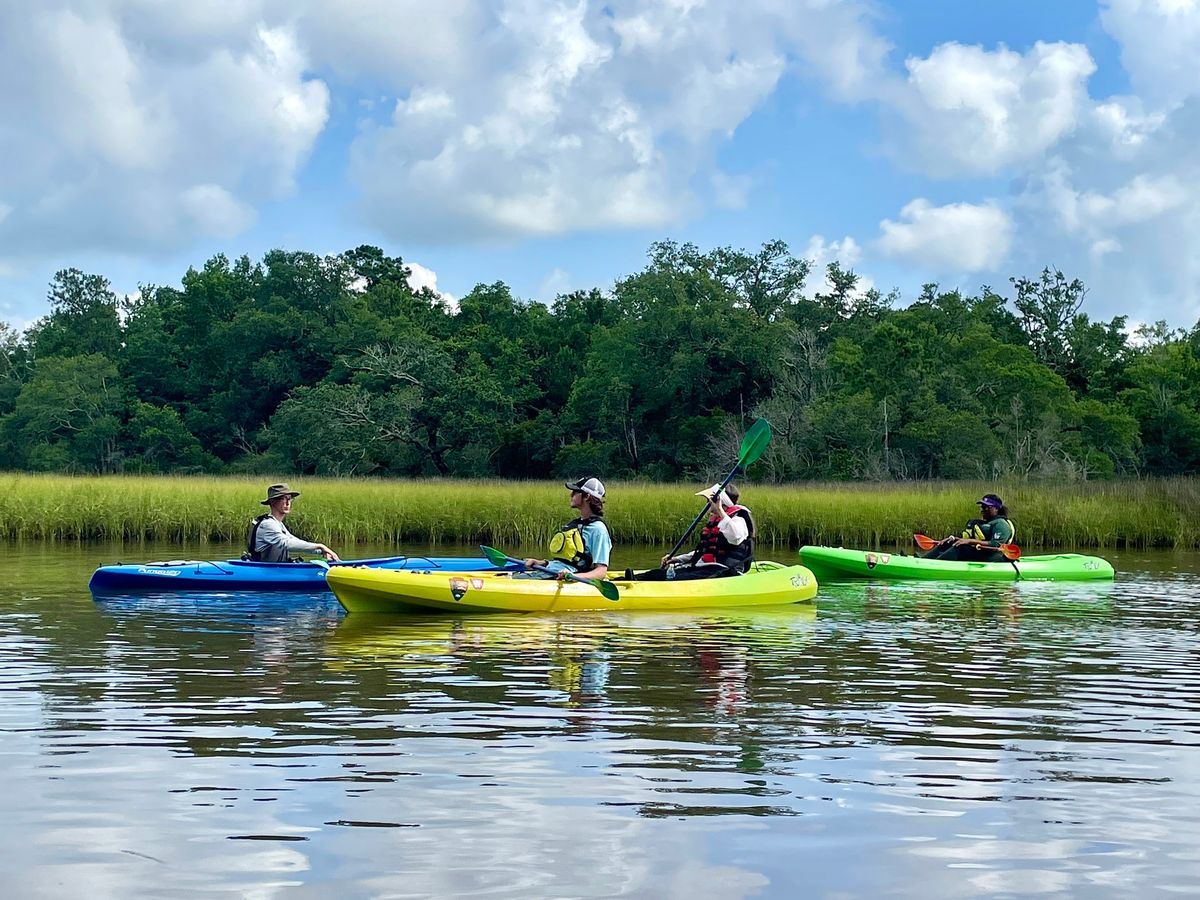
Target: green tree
[(68, 414), (83, 317)]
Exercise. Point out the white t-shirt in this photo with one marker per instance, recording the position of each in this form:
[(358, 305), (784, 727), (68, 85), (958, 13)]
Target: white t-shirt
[(733, 528)]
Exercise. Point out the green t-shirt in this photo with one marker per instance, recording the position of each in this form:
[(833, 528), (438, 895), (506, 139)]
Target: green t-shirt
[(996, 532)]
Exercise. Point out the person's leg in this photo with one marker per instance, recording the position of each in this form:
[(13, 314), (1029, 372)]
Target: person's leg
[(969, 553), (695, 573), (651, 575)]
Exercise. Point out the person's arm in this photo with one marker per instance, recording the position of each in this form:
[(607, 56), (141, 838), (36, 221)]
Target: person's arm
[(272, 533), (999, 533), (681, 558), (599, 543), (594, 572), (733, 528)]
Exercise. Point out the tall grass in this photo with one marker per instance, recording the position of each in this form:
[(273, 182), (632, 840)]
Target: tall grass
[(345, 512)]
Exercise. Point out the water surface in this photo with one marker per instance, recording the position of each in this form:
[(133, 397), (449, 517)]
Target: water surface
[(946, 741)]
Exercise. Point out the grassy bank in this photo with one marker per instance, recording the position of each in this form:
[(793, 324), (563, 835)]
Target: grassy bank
[(345, 512)]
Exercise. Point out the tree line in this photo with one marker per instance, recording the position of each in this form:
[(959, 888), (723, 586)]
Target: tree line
[(336, 365)]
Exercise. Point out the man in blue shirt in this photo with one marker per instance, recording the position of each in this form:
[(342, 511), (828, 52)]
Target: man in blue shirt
[(584, 545)]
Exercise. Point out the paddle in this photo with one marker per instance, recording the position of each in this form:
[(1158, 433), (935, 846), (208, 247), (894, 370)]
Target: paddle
[(1011, 552), (605, 587), (753, 445)]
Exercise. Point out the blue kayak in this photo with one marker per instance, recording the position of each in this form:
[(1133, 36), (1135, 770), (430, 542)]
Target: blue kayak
[(242, 575)]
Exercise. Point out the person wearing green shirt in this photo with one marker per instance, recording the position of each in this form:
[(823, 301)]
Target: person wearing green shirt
[(981, 537)]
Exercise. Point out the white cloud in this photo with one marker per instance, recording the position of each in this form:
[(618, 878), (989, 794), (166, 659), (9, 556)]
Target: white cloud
[(966, 110), (1121, 123), (557, 281), (820, 253), (558, 116), (215, 211), (141, 131), (420, 276), (956, 238), (1160, 45)]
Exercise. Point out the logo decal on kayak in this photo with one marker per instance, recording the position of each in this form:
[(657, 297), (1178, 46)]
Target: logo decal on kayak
[(477, 583), (799, 581), (1091, 565), (146, 570), (872, 559), (458, 587)]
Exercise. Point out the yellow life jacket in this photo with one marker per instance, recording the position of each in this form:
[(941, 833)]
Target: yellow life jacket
[(567, 544), (975, 532)]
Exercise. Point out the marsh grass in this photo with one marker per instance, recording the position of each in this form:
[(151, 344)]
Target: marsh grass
[(344, 512)]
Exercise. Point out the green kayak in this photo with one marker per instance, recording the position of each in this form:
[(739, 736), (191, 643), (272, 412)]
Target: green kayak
[(839, 564)]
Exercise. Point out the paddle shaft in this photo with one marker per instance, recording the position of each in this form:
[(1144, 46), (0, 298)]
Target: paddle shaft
[(1011, 552), (699, 516), (606, 588)]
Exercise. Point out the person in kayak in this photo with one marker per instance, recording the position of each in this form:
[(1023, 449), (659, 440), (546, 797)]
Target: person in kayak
[(726, 544), (981, 537), (269, 540), (584, 545)]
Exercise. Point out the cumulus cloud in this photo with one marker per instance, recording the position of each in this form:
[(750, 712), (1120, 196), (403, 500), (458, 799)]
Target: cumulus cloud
[(1160, 44), (563, 115), (846, 252), (958, 237), (420, 276), (967, 110), (138, 130)]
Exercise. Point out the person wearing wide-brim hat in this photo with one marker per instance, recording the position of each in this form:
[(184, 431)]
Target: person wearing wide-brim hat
[(583, 546), (269, 540), (726, 545), (981, 538)]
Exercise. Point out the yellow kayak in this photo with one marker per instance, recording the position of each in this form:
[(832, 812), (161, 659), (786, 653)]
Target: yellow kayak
[(360, 589)]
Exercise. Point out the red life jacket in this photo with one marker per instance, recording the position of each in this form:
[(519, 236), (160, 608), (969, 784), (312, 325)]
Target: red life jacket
[(714, 548)]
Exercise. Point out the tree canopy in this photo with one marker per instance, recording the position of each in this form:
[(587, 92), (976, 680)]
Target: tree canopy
[(336, 364)]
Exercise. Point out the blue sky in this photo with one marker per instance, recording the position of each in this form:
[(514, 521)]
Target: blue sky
[(547, 144)]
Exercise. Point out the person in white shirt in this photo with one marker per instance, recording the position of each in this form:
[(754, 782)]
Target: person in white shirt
[(726, 544), (270, 540)]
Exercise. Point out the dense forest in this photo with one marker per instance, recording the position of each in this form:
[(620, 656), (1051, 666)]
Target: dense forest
[(335, 365)]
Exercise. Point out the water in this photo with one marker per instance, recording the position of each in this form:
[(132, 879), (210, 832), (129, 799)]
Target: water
[(1010, 740)]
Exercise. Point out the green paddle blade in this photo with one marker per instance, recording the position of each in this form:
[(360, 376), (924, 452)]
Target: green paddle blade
[(494, 556), (607, 588), (755, 442)]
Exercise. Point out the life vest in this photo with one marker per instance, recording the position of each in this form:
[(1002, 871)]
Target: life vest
[(252, 553), (973, 529), (567, 544), (714, 548)]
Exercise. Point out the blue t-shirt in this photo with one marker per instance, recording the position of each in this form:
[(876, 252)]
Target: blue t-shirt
[(598, 542)]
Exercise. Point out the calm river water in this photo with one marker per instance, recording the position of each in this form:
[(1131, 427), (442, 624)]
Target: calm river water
[(904, 741)]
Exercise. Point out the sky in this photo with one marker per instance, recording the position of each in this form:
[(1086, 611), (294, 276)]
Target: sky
[(547, 144)]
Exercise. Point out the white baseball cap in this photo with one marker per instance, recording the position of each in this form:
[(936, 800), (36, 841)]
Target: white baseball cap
[(708, 492), (593, 487)]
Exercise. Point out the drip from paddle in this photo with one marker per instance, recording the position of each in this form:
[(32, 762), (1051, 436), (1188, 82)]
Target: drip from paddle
[(753, 445), (1011, 552), (607, 589)]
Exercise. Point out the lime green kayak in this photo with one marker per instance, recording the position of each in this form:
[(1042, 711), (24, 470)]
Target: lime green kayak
[(838, 564)]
